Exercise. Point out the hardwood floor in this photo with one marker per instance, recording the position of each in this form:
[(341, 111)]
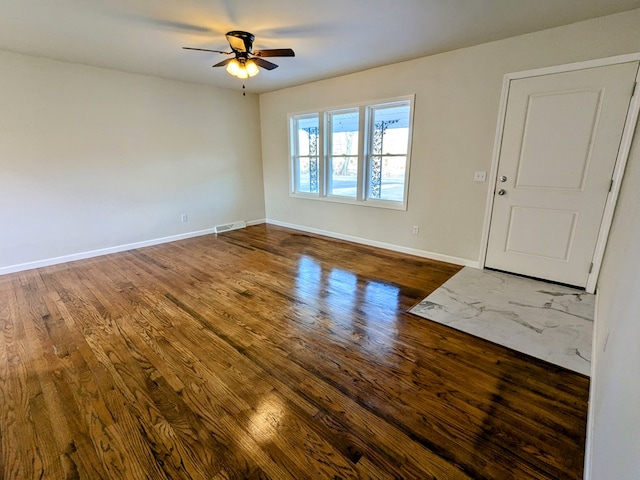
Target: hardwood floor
[(266, 353)]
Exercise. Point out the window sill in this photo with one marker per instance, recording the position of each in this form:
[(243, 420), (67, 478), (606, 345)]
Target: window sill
[(352, 201)]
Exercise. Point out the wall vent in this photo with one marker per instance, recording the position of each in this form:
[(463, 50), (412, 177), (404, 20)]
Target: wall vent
[(229, 226)]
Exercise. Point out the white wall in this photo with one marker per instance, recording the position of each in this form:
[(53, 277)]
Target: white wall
[(92, 158), (615, 408), (456, 109)]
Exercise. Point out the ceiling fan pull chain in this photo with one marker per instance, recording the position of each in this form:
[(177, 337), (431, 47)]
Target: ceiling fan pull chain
[(244, 94)]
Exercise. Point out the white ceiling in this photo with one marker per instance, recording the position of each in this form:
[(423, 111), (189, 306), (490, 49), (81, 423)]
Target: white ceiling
[(330, 37)]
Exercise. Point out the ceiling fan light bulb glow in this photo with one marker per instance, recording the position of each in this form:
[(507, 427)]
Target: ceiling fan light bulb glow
[(242, 72), (233, 67), (252, 68)]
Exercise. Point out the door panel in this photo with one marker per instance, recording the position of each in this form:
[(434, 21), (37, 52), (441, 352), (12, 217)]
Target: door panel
[(525, 220), (559, 146), (553, 157)]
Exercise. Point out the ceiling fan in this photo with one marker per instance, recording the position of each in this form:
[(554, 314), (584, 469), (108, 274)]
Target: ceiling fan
[(246, 60)]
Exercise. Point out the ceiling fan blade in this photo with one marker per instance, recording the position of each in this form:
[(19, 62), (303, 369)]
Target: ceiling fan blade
[(223, 63), (207, 50), (275, 52), (264, 64)]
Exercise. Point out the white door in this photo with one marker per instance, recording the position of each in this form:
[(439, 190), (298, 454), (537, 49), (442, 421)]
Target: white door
[(559, 146)]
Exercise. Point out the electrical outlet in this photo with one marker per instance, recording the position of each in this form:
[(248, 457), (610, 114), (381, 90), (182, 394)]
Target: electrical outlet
[(184, 218), (480, 176), (416, 230)]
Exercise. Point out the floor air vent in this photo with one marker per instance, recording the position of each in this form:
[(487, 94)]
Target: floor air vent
[(229, 226)]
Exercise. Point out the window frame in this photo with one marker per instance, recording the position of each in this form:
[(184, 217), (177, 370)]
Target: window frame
[(294, 150), (366, 111), (370, 112)]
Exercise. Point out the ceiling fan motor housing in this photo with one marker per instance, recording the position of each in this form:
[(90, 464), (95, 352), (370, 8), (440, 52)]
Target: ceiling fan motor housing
[(240, 41)]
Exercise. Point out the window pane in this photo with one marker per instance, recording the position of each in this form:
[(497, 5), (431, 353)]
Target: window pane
[(306, 153), (391, 130), (307, 136), (343, 164), (388, 150), (307, 175), (387, 178), (344, 176), (344, 133)]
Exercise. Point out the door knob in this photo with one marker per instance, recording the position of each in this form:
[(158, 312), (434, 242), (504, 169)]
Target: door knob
[(502, 191)]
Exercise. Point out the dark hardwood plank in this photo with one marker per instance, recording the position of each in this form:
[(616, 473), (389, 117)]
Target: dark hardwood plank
[(267, 353)]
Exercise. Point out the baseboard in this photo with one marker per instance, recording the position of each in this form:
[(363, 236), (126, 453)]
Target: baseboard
[(183, 236), (374, 243), (106, 251)]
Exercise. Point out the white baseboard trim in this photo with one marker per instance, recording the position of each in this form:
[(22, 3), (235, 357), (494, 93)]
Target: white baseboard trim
[(102, 251), (183, 236), (106, 251), (374, 243)]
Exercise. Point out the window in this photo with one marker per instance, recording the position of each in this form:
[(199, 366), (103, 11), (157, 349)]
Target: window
[(306, 153), (358, 154), (388, 151), (343, 157)]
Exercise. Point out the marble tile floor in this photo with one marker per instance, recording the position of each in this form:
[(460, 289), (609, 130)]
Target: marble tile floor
[(544, 320)]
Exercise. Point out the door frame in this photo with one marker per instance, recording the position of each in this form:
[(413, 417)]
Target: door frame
[(618, 170)]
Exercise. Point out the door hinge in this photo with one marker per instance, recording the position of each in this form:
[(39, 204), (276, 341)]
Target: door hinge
[(591, 267), (633, 91), (611, 185)]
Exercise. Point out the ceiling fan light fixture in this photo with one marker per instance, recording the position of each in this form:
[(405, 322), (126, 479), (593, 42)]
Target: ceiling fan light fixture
[(233, 67), (242, 68), (252, 68), (242, 72)]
